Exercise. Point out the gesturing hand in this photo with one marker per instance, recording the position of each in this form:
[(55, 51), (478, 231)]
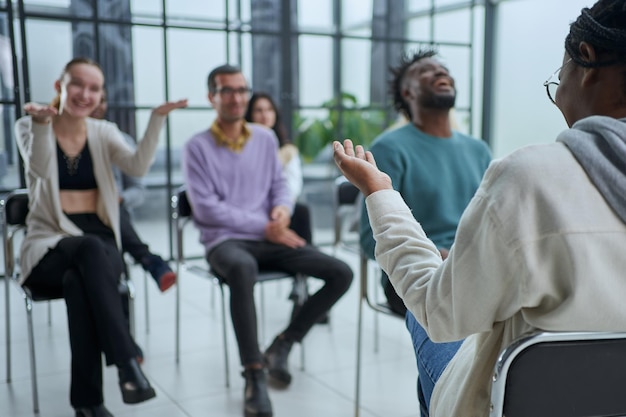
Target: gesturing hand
[(359, 167), (168, 106), (40, 113)]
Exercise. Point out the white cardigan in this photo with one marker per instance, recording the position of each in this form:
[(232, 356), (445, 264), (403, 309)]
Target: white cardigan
[(46, 223), (537, 248)]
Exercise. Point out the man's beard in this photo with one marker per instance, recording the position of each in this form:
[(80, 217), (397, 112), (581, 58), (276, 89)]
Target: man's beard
[(438, 101)]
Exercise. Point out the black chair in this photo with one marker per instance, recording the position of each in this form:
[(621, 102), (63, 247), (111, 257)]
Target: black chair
[(181, 216), (14, 210), (561, 374), (347, 207)]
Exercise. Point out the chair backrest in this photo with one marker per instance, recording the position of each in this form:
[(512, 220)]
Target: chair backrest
[(183, 207), (562, 374), (16, 208), (14, 212)]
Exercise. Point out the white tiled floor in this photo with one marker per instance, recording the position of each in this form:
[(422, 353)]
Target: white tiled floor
[(195, 386)]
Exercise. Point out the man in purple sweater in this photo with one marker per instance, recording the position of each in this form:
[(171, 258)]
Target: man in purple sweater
[(242, 208)]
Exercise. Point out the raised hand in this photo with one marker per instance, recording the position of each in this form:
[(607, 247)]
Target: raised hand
[(359, 167), (40, 113), (168, 106)]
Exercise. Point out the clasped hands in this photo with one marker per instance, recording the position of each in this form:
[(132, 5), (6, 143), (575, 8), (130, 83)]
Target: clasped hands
[(277, 229)]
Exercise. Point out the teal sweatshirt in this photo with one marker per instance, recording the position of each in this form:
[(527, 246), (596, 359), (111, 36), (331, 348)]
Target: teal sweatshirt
[(437, 177)]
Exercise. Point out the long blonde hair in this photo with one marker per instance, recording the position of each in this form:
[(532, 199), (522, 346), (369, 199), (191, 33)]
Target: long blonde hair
[(56, 101)]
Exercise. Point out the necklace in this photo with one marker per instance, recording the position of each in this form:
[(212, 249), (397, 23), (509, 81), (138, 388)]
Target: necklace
[(72, 163)]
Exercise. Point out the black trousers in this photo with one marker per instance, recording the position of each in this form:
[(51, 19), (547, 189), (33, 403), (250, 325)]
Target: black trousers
[(238, 263), (86, 269)]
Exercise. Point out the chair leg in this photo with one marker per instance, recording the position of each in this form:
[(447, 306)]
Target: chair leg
[(7, 325), (31, 346), (225, 336), (177, 314), (262, 327), (146, 303), (357, 393), (49, 313), (131, 306)]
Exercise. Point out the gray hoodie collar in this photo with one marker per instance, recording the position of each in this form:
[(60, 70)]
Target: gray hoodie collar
[(599, 145)]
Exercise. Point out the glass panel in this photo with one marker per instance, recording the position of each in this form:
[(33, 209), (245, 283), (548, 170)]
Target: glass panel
[(240, 53), (413, 6), (362, 126), (356, 17), (457, 59), (316, 70), (56, 3), (6, 61), (187, 80), (461, 120), (355, 69), (146, 10), (313, 132), (453, 26), (156, 175), (79, 8), (199, 11), (418, 29), (440, 3), (9, 159), (315, 14), (183, 125), (148, 65), (245, 9), (114, 9), (45, 63)]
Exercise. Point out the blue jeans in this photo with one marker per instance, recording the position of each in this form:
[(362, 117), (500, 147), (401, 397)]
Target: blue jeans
[(432, 358)]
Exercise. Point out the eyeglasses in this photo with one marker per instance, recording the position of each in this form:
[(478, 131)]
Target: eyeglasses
[(230, 92), (553, 82)]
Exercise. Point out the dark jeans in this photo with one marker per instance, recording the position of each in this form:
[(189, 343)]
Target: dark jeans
[(86, 270), (131, 242), (238, 262)]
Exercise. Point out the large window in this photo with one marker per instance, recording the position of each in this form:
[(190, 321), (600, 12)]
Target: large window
[(326, 62)]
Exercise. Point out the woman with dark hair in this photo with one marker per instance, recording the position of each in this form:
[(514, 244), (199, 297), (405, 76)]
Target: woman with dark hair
[(263, 110), (540, 246), (71, 247)]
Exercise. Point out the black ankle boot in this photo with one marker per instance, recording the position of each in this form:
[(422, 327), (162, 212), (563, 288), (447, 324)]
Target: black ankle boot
[(256, 399), (133, 383), (97, 411), (276, 358)]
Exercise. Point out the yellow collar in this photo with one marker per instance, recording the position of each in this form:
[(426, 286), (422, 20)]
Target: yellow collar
[(235, 145)]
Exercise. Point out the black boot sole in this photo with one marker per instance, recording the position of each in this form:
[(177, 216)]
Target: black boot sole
[(247, 413), (278, 378), (137, 396)]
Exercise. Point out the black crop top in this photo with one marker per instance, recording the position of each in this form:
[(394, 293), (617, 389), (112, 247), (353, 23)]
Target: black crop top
[(76, 173)]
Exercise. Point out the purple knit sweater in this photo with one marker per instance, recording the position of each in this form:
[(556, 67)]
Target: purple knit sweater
[(231, 193)]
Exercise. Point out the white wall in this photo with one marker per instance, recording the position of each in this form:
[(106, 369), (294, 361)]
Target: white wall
[(530, 47)]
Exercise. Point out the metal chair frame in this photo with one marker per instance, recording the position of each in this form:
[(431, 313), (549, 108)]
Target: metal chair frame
[(181, 217), (14, 223)]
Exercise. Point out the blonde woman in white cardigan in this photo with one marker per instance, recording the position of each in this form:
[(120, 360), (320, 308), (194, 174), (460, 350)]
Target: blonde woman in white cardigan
[(72, 243)]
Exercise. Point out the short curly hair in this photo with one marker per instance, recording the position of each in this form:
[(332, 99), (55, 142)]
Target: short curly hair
[(397, 82)]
